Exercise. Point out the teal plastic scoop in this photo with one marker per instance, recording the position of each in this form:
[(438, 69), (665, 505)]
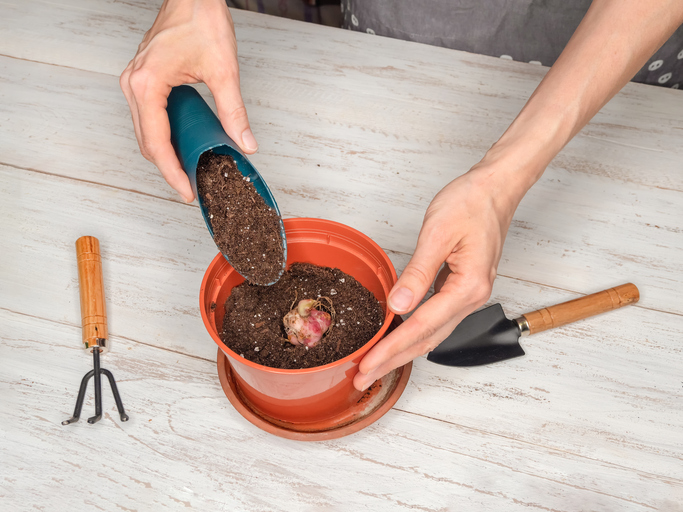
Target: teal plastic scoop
[(195, 129)]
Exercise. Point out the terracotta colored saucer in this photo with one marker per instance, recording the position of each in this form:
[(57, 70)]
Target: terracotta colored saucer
[(375, 403)]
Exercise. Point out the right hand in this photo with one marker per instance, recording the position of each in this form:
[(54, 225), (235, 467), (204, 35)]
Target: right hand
[(463, 233), (191, 41)]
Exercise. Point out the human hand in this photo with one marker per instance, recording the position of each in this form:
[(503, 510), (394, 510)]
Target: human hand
[(464, 227), (190, 41), (466, 223)]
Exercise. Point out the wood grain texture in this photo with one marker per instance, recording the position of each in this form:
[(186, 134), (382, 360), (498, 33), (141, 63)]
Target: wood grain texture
[(610, 379), (374, 124), (185, 447), (285, 68), (605, 388), (581, 308), (588, 420), (91, 293), (616, 224)]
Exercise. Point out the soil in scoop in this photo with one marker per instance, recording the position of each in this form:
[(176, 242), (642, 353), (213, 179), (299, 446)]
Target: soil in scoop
[(245, 228), (253, 328)]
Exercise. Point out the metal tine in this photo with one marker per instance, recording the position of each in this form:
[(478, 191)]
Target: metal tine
[(98, 386), (115, 392), (79, 400), (97, 372)]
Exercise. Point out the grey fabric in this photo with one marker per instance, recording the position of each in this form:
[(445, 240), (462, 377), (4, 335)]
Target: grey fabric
[(323, 12), (523, 30)]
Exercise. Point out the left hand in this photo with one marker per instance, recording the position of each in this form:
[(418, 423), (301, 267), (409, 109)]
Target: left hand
[(191, 41), (464, 227)]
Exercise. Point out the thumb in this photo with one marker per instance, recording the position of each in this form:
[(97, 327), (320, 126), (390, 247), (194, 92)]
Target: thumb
[(233, 114), (416, 278)]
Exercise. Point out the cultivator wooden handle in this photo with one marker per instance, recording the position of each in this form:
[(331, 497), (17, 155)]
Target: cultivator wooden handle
[(93, 309), (578, 309)]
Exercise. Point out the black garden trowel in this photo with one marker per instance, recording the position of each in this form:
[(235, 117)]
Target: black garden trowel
[(487, 336)]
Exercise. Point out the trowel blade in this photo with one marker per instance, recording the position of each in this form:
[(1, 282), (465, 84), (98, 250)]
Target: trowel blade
[(484, 337)]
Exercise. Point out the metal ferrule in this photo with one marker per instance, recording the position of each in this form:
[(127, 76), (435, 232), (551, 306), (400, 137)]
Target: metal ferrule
[(523, 325), (103, 343)]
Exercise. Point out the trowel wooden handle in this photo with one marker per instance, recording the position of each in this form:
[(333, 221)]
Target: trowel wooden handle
[(578, 309), (93, 310)]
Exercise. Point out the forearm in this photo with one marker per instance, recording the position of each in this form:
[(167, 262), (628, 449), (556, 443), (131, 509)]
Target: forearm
[(613, 41)]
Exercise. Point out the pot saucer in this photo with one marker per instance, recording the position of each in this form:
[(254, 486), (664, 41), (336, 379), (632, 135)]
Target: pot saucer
[(375, 403)]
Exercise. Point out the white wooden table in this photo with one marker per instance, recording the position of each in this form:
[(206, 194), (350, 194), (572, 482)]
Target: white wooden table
[(590, 419)]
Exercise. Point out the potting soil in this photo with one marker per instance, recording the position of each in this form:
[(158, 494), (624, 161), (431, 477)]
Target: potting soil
[(253, 327), (245, 228)]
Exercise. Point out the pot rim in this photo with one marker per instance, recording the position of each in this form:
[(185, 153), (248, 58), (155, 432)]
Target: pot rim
[(388, 318)]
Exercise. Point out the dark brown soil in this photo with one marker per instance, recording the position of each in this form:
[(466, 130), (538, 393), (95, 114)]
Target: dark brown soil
[(245, 228), (253, 326)]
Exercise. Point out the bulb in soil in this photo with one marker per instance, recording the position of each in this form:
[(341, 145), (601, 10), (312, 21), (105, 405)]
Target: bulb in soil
[(305, 324)]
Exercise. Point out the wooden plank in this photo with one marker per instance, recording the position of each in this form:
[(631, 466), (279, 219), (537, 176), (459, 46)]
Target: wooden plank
[(605, 387), (151, 281), (586, 421), (96, 35), (624, 362), (638, 131), (619, 230), (154, 255), (185, 446), (78, 125), (438, 103), (586, 233)]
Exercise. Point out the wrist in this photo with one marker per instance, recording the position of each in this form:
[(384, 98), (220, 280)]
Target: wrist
[(519, 158), (189, 6)]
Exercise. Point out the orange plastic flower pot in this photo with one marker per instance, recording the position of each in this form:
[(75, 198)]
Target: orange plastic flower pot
[(310, 394)]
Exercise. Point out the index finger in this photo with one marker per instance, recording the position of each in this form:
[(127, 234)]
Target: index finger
[(426, 328), (460, 295), (430, 324), (155, 131)]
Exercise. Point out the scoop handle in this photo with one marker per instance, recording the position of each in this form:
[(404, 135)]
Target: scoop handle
[(584, 307), (93, 310)]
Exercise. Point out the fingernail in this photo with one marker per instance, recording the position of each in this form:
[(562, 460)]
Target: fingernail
[(372, 371), (401, 299), (248, 140), (186, 199), (368, 372)]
